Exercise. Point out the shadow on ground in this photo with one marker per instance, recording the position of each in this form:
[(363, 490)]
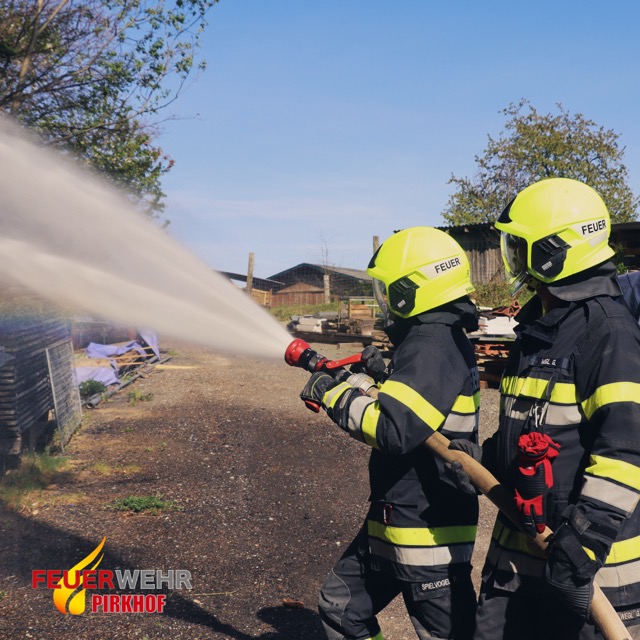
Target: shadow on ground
[(29, 544)]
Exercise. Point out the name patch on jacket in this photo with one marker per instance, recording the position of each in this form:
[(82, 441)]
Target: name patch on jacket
[(563, 364)]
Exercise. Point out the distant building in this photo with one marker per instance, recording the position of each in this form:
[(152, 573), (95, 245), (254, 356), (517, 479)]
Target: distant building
[(317, 284), (481, 243)]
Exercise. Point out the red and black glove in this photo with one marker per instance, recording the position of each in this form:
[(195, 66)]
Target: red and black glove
[(313, 393), (334, 397), (534, 479)]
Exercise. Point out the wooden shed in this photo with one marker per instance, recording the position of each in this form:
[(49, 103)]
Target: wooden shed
[(298, 293), (37, 379), (481, 243), (316, 284)]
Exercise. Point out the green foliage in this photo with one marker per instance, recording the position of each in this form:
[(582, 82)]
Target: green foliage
[(91, 76), (137, 504), (36, 471), (136, 396), (284, 313), (496, 294), (535, 146), (90, 388)]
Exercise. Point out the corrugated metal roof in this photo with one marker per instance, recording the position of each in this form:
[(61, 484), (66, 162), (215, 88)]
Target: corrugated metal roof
[(358, 274)]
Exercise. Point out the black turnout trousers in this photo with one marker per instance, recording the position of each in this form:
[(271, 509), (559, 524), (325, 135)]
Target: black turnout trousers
[(353, 594)]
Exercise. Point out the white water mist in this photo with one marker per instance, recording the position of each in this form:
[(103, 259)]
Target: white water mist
[(70, 238)]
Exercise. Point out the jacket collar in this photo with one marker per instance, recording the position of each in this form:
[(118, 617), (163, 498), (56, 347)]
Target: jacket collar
[(532, 322), (459, 313), (598, 281)]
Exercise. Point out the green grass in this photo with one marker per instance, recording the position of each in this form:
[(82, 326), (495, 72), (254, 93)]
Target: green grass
[(35, 473), (136, 396), (284, 313), (136, 504)]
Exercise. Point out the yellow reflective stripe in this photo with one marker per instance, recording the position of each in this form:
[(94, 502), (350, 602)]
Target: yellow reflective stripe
[(515, 541), (608, 393), (414, 401), (618, 470), (333, 395), (467, 404), (432, 537), (562, 392), (589, 553), (624, 551), (369, 424)]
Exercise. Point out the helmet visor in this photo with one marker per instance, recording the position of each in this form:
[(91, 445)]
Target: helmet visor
[(514, 252), (380, 292)]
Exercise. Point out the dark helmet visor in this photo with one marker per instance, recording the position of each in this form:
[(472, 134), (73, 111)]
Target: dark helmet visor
[(514, 251)]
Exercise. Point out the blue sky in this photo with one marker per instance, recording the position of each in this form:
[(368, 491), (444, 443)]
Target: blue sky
[(318, 125)]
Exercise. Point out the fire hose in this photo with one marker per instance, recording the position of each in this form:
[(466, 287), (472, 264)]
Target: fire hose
[(300, 354)]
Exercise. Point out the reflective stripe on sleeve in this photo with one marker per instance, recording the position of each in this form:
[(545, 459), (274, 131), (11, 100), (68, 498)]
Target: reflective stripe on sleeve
[(623, 472), (333, 395), (624, 551), (467, 404), (421, 536), (620, 576), (609, 393), (355, 426), (562, 392), (456, 423), (370, 424), (411, 399), (620, 497)]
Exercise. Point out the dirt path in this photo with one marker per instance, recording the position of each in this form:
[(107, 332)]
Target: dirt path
[(267, 494)]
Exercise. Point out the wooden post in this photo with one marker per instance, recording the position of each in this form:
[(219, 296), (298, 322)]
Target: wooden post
[(327, 288), (250, 274), (376, 243)]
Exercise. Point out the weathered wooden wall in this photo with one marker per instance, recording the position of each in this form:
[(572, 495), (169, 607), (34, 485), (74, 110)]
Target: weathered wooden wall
[(297, 294), (38, 378)]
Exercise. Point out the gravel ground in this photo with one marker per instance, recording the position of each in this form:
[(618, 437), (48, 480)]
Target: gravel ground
[(268, 495)]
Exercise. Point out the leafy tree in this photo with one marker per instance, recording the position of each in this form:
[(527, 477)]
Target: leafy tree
[(92, 76), (534, 146)]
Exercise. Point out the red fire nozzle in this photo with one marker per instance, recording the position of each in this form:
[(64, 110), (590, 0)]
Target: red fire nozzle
[(300, 354), (294, 351)]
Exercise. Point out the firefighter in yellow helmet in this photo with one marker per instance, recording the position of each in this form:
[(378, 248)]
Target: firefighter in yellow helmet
[(420, 529), (568, 444)]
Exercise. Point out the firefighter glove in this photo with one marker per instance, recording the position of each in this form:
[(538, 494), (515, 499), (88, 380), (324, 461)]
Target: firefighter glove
[(454, 469), (318, 384), (334, 397), (374, 363), (534, 479), (564, 571)]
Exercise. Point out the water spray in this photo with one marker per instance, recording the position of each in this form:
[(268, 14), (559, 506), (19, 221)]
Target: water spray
[(76, 241)]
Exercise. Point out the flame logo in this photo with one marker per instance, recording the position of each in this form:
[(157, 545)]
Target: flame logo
[(71, 596)]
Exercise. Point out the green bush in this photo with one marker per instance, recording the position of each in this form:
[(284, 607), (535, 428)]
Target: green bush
[(90, 388), (496, 294)]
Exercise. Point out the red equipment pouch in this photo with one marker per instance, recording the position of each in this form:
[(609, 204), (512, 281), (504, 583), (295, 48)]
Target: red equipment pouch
[(534, 478)]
